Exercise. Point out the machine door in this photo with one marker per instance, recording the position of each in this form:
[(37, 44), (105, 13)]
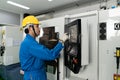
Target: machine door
[(50, 40), (72, 50)]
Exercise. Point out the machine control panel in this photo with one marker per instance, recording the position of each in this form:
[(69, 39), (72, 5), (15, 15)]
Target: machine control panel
[(72, 50)]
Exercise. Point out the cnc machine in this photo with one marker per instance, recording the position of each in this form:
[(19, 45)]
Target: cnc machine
[(92, 51), (10, 39)]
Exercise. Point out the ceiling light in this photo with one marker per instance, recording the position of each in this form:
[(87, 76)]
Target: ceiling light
[(18, 5), (50, 0)]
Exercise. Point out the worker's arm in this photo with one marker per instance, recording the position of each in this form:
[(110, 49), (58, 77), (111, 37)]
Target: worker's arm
[(44, 53)]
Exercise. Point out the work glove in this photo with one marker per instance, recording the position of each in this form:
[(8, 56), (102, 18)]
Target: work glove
[(63, 37)]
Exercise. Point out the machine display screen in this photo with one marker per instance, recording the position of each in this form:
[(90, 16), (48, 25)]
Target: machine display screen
[(73, 33), (73, 51)]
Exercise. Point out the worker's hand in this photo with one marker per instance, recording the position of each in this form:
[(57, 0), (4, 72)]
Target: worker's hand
[(63, 37), (22, 72)]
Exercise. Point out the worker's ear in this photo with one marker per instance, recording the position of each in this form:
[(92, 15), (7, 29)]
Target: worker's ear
[(26, 31)]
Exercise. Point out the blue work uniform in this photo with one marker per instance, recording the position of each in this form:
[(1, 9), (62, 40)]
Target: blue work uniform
[(32, 56)]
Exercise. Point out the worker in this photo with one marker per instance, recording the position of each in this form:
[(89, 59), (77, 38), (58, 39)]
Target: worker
[(33, 54)]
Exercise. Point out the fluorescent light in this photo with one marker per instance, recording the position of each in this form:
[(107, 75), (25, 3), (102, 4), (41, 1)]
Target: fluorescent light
[(18, 5), (50, 0)]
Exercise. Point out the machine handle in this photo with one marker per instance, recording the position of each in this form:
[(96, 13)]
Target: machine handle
[(79, 38)]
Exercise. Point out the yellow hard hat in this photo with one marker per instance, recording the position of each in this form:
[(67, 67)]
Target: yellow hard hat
[(29, 20)]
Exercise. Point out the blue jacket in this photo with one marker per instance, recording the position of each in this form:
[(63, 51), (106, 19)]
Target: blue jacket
[(32, 56)]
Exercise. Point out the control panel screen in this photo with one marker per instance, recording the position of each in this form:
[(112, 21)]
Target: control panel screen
[(73, 33)]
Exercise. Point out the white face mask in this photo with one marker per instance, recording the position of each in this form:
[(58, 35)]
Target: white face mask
[(41, 32)]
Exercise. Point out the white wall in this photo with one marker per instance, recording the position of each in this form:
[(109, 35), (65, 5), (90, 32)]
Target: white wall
[(9, 18)]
